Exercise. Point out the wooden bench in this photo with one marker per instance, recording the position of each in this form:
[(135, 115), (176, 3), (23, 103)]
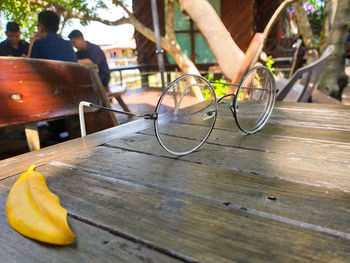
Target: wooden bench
[(116, 91), (33, 90), (300, 86)]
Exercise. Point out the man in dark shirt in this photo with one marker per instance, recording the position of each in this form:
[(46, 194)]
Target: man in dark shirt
[(49, 45), (89, 53), (13, 45)]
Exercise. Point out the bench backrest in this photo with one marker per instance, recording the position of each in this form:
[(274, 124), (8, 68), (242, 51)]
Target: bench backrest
[(307, 76), (34, 89)]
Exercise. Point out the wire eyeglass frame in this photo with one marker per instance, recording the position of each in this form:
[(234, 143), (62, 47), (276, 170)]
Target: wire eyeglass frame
[(234, 107)]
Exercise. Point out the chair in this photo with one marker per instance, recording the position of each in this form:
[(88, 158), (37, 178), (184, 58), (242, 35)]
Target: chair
[(300, 86), (290, 62), (33, 90)]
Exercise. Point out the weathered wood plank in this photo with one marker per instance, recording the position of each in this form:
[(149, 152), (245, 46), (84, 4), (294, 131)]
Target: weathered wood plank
[(18, 164), (326, 147), (200, 230), (210, 206), (310, 170), (32, 135), (307, 133), (315, 205), (91, 245), (14, 165), (312, 106), (326, 118), (310, 119), (290, 131), (333, 126)]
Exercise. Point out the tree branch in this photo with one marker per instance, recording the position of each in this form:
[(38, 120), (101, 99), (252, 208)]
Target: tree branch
[(120, 3), (305, 31), (269, 26), (147, 32), (169, 20), (121, 21)]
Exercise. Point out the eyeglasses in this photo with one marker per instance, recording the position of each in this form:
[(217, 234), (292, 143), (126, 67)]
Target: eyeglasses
[(186, 111)]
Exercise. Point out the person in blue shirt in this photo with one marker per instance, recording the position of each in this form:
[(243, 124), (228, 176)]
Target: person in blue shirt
[(48, 44), (89, 53), (13, 45)]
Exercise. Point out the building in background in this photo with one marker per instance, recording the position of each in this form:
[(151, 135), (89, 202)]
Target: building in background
[(121, 53)]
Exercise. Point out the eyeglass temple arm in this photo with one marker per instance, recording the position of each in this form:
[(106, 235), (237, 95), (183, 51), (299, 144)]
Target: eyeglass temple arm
[(82, 104)]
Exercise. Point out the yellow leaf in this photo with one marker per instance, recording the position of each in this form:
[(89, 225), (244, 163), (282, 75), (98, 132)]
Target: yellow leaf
[(35, 212)]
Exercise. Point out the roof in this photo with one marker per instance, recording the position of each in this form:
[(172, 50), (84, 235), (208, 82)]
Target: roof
[(130, 43)]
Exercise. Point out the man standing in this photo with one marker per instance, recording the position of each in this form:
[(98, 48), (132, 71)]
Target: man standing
[(13, 45), (48, 44), (89, 53)]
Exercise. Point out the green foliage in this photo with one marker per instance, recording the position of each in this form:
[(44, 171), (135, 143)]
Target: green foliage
[(20, 12), (269, 63), (25, 14), (220, 88)]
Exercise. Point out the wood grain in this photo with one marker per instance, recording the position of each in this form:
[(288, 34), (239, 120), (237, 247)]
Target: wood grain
[(309, 170), (200, 230), (36, 89), (303, 115), (309, 143), (280, 195), (21, 163), (91, 245), (293, 200)]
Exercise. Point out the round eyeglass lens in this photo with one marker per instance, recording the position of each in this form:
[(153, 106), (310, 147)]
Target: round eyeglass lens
[(187, 112), (255, 99)]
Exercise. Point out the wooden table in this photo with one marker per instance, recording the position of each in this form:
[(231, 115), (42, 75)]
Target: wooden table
[(281, 195)]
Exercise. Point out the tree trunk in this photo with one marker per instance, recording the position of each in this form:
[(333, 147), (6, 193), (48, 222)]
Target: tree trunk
[(172, 46), (228, 55), (330, 6), (305, 30), (326, 27), (287, 29), (333, 78)]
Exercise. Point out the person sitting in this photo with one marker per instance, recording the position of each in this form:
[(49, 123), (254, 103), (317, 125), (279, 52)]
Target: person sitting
[(47, 44), (13, 45), (89, 53)]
